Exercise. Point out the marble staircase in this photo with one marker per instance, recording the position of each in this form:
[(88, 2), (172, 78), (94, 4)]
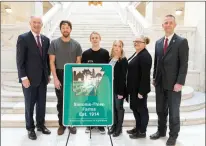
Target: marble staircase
[(107, 22), (12, 107)]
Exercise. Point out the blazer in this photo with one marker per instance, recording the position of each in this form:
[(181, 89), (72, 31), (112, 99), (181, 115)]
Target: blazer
[(120, 73), (171, 68), (29, 61), (138, 78)]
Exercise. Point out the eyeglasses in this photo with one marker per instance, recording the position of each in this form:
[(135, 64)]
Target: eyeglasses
[(138, 42)]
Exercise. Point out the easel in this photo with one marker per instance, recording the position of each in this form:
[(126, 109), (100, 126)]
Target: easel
[(91, 136)]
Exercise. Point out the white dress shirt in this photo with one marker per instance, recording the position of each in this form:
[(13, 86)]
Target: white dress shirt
[(169, 39)]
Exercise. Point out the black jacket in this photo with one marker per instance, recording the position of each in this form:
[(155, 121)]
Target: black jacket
[(171, 68), (120, 73), (29, 61), (138, 78)]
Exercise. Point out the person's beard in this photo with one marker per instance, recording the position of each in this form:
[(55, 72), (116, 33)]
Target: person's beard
[(66, 35)]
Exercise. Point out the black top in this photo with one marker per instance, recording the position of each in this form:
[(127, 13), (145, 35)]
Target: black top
[(120, 72), (138, 79), (100, 56)]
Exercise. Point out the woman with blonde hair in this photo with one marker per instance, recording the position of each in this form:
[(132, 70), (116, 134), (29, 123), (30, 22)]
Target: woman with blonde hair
[(138, 86), (120, 64)]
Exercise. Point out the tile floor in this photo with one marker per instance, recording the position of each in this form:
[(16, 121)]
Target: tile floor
[(189, 136)]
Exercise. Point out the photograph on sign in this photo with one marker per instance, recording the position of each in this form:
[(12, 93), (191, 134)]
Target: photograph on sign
[(86, 80)]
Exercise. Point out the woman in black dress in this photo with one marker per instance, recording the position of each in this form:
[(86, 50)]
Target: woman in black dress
[(138, 86), (120, 64)]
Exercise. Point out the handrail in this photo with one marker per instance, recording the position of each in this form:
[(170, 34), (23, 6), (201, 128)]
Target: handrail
[(52, 18), (136, 21), (133, 18)]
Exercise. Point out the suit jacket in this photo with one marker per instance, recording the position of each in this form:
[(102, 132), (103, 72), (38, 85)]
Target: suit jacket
[(120, 73), (171, 68), (29, 61), (138, 78)]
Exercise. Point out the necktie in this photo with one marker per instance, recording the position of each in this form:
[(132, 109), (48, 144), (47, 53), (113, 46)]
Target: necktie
[(165, 45), (39, 44)]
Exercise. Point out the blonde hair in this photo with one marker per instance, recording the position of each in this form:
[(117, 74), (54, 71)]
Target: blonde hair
[(122, 51), (146, 39), (94, 32)]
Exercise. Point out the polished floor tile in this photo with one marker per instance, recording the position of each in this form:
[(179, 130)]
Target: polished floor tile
[(189, 136)]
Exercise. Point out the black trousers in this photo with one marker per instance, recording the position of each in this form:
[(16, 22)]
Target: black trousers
[(141, 113), (118, 112), (59, 94), (35, 95), (168, 100)]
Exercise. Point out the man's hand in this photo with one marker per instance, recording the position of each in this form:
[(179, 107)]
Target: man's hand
[(57, 83), (119, 96), (177, 88), (139, 96), (26, 83)]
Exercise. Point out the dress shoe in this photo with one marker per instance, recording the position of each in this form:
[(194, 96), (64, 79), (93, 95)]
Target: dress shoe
[(117, 133), (137, 135), (32, 135), (44, 130), (171, 141), (157, 135), (132, 131), (101, 130), (111, 130), (73, 130), (88, 129), (61, 130)]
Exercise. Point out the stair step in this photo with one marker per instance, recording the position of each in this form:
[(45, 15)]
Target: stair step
[(195, 103), (102, 26), (12, 91), (17, 87), (51, 120), (105, 33)]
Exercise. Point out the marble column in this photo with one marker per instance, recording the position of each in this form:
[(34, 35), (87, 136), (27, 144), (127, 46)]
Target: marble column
[(37, 9), (197, 19), (149, 15)]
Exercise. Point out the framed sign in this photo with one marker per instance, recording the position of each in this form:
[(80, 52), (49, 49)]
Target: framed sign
[(88, 95)]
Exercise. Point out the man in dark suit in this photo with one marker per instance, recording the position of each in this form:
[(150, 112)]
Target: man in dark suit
[(33, 72), (170, 69)]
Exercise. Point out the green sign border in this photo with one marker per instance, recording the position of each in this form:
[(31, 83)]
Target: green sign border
[(66, 100)]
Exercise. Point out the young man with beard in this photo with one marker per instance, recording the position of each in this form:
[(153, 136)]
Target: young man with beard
[(63, 50), (96, 54)]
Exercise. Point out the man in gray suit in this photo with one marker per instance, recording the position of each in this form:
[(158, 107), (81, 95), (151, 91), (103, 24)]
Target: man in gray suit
[(170, 69)]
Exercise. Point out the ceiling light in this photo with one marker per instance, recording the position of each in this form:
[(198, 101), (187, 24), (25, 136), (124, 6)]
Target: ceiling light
[(8, 10), (178, 12)]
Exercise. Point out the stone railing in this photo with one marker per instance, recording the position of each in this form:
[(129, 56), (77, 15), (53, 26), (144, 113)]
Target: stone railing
[(10, 33), (52, 18), (132, 17), (121, 10), (136, 21)]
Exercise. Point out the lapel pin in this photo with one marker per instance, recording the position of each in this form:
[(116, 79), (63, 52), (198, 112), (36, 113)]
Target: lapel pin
[(173, 41)]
